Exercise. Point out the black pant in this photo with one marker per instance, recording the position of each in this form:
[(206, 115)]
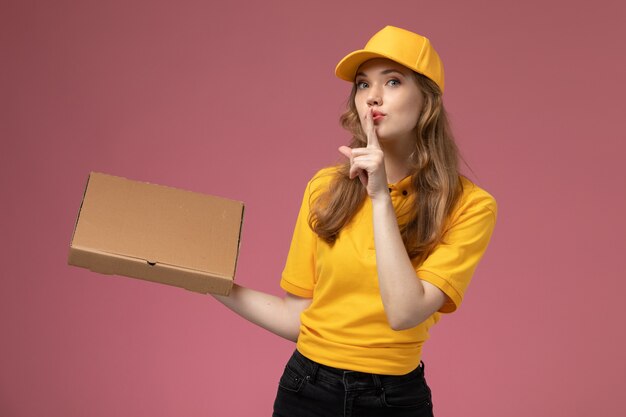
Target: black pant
[(309, 389)]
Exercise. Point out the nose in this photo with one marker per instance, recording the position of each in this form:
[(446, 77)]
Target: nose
[(374, 97)]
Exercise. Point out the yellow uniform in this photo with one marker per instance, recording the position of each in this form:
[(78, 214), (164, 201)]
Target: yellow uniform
[(345, 326)]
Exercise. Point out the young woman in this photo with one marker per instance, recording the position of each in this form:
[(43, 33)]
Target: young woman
[(382, 245)]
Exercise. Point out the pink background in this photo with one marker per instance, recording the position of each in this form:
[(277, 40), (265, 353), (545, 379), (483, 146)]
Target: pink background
[(238, 99)]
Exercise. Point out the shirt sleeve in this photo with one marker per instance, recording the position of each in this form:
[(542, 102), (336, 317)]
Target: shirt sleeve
[(452, 263), (298, 276)]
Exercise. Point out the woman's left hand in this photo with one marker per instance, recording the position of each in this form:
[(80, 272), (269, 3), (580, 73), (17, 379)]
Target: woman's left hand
[(368, 163)]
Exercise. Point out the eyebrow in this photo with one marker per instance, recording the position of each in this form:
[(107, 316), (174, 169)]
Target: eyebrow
[(384, 72)]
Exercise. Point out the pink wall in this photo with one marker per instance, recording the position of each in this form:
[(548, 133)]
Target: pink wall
[(239, 99)]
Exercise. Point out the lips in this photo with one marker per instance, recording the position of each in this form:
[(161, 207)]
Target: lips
[(377, 115)]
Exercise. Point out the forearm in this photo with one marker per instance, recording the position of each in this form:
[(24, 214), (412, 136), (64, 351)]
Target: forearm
[(403, 293), (407, 300), (268, 311)]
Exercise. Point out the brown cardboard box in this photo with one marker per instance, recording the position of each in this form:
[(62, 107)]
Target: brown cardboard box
[(157, 233)]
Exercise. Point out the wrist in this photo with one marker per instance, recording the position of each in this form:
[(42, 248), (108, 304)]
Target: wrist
[(381, 200)]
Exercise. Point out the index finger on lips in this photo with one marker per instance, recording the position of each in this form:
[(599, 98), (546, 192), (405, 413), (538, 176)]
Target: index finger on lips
[(370, 130)]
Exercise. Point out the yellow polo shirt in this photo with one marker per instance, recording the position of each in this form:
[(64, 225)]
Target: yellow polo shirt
[(345, 326)]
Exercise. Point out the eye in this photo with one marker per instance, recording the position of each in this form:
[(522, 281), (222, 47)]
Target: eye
[(360, 85), (393, 82)]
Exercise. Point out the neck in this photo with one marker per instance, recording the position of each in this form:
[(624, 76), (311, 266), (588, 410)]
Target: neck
[(396, 163)]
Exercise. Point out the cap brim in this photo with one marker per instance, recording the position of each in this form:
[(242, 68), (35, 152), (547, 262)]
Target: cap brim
[(346, 68)]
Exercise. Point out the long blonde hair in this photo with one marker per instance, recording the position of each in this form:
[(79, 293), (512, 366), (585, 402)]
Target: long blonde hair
[(434, 176)]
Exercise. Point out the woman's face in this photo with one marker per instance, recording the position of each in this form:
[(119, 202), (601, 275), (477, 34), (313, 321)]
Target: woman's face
[(391, 90)]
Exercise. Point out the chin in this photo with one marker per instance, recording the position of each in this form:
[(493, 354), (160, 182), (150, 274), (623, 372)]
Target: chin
[(384, 137)]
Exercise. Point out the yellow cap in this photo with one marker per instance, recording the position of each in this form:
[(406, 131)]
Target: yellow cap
[(406, 48)]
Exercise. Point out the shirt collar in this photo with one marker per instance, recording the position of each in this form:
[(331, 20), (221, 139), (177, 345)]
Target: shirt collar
[(402, 187)]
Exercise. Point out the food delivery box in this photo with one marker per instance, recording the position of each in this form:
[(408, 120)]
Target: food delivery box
[(157, 233)]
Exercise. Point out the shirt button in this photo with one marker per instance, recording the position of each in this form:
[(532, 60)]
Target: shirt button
[(404, 192), (389, 189)]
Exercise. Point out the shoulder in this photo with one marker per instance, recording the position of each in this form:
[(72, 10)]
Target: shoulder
[(475, 199), (326, 174), (322, 179)]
